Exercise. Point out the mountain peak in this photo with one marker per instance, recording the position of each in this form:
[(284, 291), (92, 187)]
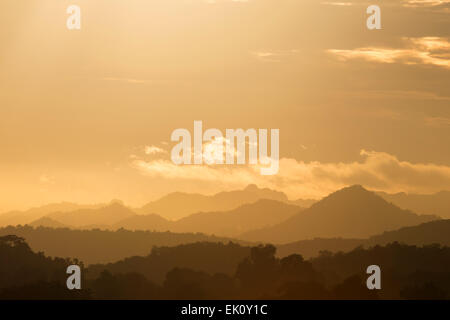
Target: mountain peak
[(251, 187), (354, 188), (354, 193), (116, 202), (178, 205), (352, 212)]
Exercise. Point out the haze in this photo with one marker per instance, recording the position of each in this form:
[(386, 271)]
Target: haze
[(86, 116)]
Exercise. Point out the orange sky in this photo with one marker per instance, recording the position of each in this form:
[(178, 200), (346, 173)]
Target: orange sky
[(79, 108)]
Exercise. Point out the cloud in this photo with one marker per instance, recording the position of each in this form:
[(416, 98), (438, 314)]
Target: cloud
[(376, 170), (46, 179), (434, 51), (341, 4), (127, 80), (437, 122), (153, 150), (273, 55), (218, 1), (424, 3), (412, 95)]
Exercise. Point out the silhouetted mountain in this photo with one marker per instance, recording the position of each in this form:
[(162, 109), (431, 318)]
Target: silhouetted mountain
[(178, 205), (107, 215), (352, 212), (209, 214), (312, 248), (24, 217), (150, 222), (252, 216), (229, 271), (100, 246), (23, 266), (48, 223), (423, 234), (304, 203), (200, 256), (437, 203), (402, 266), (223, 223)]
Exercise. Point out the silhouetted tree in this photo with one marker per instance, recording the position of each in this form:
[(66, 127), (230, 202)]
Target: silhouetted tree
[(427, 291)]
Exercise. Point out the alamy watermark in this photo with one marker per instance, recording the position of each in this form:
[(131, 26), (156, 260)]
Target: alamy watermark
[(74, 20), (212, 147)]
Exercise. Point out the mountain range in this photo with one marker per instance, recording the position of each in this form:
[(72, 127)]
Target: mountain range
[(102, 246), (429, 233), (230, 223), (352, 212), (107, 215), (173, 206), (24, 217), (437, 203), (178, 205)]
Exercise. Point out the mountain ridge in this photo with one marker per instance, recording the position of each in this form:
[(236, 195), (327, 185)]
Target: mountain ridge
[(351, 212)]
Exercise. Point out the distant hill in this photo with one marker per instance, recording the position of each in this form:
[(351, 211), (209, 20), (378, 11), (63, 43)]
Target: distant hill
[(304, 203), (423, 234), (28, 216), (312, 248), (98, 246), (20, 265), (107, 215), (437, 203), (230, 223), (247, 217), (352, 212), (199, 213), (200, 256), (178, 205), (252, 216), (48, 223), (151, 222)]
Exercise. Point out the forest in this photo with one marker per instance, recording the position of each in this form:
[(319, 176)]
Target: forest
[(229, 271)]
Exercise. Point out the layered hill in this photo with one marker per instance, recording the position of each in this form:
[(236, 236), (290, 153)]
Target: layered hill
[(252, 216), (48, 223), (351, 212), (28, 216), (230, 223), (101, 246), (434, 232), (107, 215), (178, 205), (437, 203), (424, 234)]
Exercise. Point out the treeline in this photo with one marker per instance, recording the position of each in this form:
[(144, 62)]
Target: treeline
[(230, 272), (101, 246)]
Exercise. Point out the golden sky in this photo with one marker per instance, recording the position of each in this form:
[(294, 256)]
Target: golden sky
[(79, 109)]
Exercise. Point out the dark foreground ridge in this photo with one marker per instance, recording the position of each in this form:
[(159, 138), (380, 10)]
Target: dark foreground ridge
[(206, 271)]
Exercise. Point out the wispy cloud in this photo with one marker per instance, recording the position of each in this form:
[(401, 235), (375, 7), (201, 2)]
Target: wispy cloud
[(434, 51), (392, 94), (273, 55), (149, 150), (424, 3), (340, 4), (428, 5), (46, 179), (376, 170), (218, 1), (127, 80), (437, 122)]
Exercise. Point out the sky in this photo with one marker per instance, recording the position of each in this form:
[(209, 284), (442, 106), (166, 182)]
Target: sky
[(86, 115)]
